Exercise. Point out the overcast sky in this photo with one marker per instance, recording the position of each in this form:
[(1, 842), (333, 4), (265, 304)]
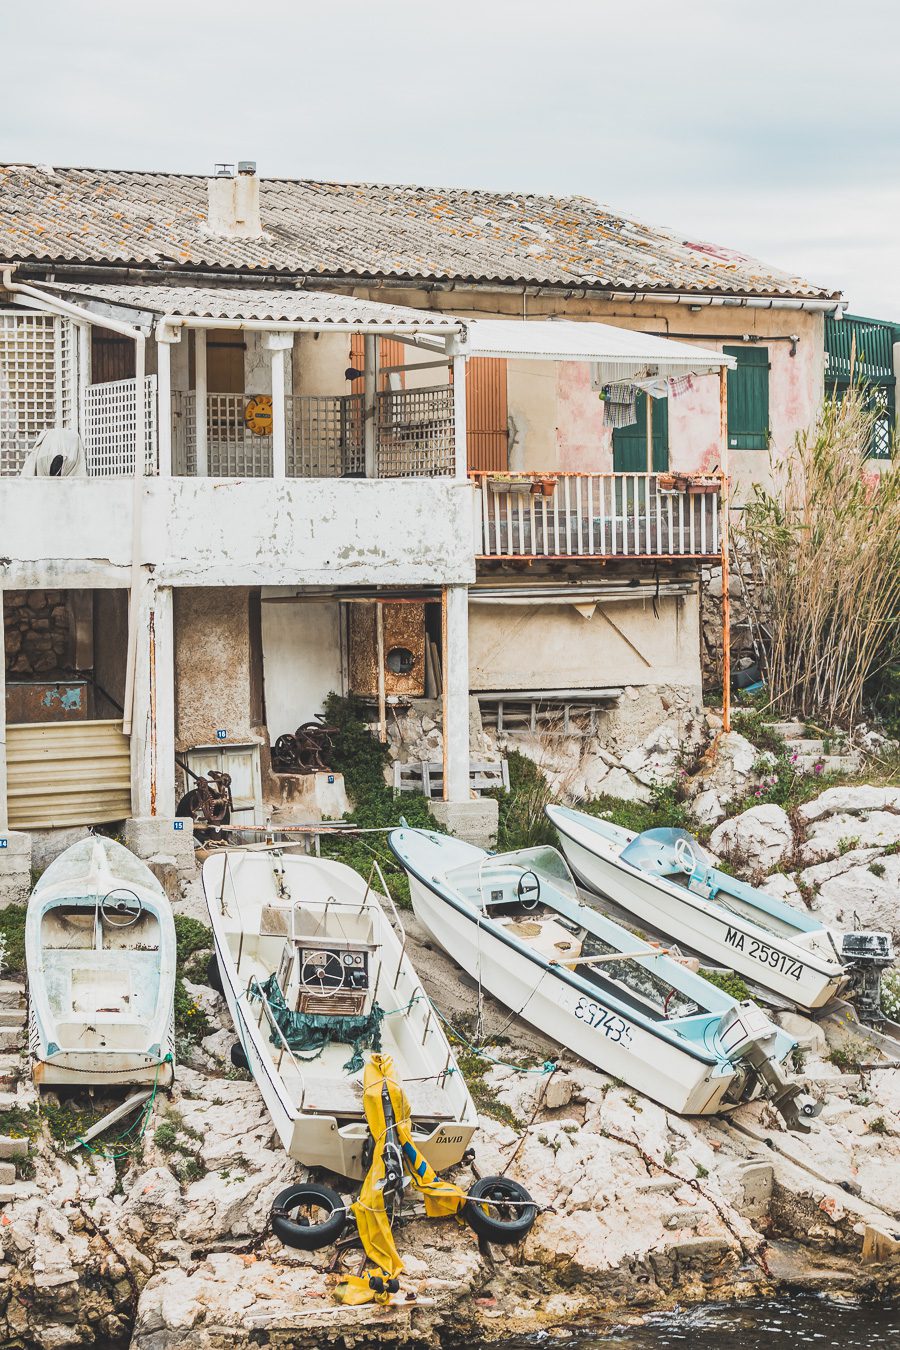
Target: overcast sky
[(771, 128)]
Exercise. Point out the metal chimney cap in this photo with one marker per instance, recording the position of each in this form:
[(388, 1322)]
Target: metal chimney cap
[(246, 166), (224, 170)]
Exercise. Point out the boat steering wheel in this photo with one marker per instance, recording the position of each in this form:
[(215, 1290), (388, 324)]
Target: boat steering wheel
[(323, 975), (120, 908), (685, 856), (528, 893)]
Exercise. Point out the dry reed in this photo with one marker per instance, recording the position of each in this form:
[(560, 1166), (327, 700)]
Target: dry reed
[(824, 547)]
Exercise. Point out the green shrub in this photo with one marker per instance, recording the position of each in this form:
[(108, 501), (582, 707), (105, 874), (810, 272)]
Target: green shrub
[(12, 933), (362, 759), (729, 982), (665, 809), (521, 821)]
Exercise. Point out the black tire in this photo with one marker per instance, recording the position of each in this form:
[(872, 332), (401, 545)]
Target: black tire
[(239, 1058), (512, 1210), (297, 1230), (214, 975)]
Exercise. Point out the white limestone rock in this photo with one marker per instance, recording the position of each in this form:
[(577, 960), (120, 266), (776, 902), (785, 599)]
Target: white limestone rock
[(760, 839), (833, 835), (707, 808), (782, 887), (806, 1033), (857, 897), (850, 800), (729, 768)]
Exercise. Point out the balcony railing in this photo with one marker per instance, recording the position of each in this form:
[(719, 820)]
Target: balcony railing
[(413, 437), (596, 515)]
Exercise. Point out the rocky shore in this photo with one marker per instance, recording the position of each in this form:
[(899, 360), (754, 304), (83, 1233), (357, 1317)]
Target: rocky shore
[(167, 1245)]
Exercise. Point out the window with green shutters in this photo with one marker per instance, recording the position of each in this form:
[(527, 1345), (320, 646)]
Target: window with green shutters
[(748, 398)]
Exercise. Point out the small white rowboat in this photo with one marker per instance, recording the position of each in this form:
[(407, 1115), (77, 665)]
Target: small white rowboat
[(314, 973), (100, 952), (516, 922), (662, 877)]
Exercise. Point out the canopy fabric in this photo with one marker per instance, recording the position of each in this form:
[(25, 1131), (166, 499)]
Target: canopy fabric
[(620, 352)]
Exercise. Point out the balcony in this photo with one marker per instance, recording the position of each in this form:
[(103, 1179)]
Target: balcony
[(597, 515)]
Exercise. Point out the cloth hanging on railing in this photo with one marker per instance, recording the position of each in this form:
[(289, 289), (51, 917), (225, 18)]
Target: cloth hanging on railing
[(619, 405)]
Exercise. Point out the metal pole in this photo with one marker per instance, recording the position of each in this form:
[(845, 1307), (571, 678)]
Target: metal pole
[(370, 387), (164, 404), (649, 426), (723, 517)]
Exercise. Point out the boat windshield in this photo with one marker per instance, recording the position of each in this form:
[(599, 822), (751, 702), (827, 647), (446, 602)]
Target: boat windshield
[(525, 877)]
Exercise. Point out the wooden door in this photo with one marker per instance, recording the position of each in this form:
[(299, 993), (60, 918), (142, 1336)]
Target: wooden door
[(487, 434)]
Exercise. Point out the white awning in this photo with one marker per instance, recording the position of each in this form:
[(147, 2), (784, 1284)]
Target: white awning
[(621, 353)]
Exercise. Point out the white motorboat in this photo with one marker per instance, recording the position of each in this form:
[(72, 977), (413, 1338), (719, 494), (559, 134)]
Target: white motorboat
[(315, 973), (516, 922), (664, 878), (100, 953)]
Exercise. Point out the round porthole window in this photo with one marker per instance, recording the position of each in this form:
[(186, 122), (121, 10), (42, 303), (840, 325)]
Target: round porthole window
[(400, 661)]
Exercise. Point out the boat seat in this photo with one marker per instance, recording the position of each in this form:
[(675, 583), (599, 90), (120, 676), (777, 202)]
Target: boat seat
[(344, 1097), (546, 935)]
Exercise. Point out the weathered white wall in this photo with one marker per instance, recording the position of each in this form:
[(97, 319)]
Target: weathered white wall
[(212, 666), (65, 532), (301, 660), (553, 647)]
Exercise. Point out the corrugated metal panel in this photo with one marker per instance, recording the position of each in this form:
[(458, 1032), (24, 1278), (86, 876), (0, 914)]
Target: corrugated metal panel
[(486, 414), (625, 351), (368, 229), (67, 773), (285, 305)]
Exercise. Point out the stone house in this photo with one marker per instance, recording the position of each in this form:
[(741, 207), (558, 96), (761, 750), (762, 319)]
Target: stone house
[(311, 436)]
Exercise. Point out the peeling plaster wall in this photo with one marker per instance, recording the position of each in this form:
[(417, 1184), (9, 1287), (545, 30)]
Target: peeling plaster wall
[(212, 666), (66, 532), (553, 647), (301, 660)]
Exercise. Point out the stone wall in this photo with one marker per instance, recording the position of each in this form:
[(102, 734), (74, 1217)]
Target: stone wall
[(38, 633), (742, 651)]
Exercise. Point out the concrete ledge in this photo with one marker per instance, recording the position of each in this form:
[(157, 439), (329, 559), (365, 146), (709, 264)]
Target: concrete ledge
[(475, 821), (162, 837), (15, 867)]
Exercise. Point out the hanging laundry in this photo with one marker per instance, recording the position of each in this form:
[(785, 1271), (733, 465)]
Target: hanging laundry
[(680, 384), (619, 405), (655, 386)]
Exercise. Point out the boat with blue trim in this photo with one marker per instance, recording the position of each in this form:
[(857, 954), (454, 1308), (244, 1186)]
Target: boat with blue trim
[(516, 922), (664, 878)]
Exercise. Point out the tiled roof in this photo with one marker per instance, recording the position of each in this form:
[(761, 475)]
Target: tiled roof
[(366, 230), (274, 303)]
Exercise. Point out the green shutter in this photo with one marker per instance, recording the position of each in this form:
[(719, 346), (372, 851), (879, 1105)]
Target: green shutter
[(748, 398), (630, 443)]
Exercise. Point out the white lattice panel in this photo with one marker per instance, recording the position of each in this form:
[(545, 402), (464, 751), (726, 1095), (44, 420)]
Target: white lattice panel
[(108, 431), (416, 433), (37, 381)]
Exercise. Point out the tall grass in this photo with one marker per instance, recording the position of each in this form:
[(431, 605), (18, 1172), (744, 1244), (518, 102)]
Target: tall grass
[(824, 544)]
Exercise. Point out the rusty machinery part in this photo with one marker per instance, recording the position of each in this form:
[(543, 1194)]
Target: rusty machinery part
[(308, 750), (209, 802)]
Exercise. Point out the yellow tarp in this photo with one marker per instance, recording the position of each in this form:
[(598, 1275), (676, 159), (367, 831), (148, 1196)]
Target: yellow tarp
[(440, 1197)]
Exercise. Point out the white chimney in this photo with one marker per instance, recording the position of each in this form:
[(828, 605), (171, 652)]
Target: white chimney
[(234, 201)]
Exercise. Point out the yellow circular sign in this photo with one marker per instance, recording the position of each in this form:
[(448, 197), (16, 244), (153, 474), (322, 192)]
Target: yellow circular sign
[(258, 415)]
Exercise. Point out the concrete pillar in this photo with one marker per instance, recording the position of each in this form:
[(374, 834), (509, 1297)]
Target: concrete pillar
[(15, 847), (153, 721), (165, 339), (456, 695), (277, 344), (200, 410)]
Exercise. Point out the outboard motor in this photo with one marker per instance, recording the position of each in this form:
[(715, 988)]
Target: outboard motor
[(866, 956), (747, 1035)]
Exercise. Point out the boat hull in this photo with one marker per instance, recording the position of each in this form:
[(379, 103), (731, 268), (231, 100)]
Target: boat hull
[(783, 968), (319, 1139), (623, 1049)]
